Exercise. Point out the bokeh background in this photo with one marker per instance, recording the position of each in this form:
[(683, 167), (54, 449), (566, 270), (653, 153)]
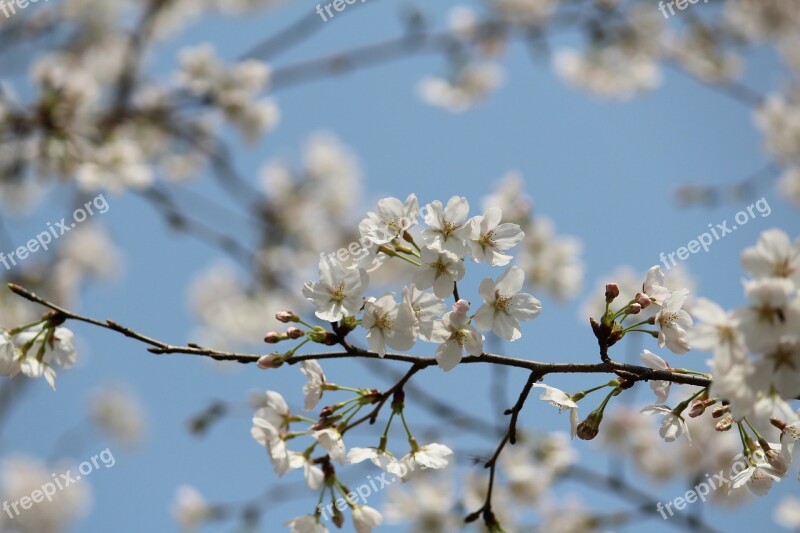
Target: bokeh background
[(605, 172)]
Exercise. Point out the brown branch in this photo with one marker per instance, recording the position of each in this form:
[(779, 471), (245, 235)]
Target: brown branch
[(158, 347)]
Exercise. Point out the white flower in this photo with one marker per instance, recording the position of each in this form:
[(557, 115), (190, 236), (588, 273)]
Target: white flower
[(313, 474), (448, 227), (779, 369), (787, 514), (471, 84), (504, 306), (306, 524), (313, 387), (456, 334), (427, 308), (388, 323), (660, 388), (654, 287), (270, 436), (718, 332), (391, 221), (119, 413), (489, 238), (774, 255), (440, 270), (561, 400), (758, 478), (380, 458), (55, 347), (672, 427), (338, 293), (672, 322), (116, 165), (331, 440), (430, 456), (789, 437), (190, 508), (773, 313), (365, 519), (9, 365)]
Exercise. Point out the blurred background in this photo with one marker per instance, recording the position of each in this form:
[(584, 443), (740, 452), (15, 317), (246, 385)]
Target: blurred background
[(209, 233)]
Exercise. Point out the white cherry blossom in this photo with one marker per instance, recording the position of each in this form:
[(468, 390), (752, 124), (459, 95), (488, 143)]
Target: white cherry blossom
[(427, 309), (338, 293), (455, 334), (312, 389), (489, 238), (673, 322), (440, 270), (388, 323), (504, 306), (448, 227)]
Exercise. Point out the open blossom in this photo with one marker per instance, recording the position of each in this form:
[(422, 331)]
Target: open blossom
[(789, 437), (46, 346), (312, 390), (718, 332), (306, 524), (773, 312), (338, 292), (673, 425), (673, 322), (427, 309), (430, 456), (440, 270), (9, 366), (504, 306), (190, 509), (660, 388), (380, 458), (271, 436), (391, 221), (448, 227), (773, 256), (365, 518), (758, 478), (388, 324), (331, 440), (561, 400), (779, 369), (456, 334), (654, 287), (489, 238)]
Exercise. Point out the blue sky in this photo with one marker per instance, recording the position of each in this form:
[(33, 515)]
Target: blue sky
[(604, 172)]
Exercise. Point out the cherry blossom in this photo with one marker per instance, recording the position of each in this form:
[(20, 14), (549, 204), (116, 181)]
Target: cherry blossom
[(504, 306), (455, 334)]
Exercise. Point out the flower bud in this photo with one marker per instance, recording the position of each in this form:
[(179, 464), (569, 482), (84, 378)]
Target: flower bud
[(778, 423), (612, 291), (699, 406), (589, 428), (273, 337), (287, 316), (295, 333), (777, 461), (643, 300), (461, 306), (269, 361), (724, 424), (338, 517), (719, 411), (634, 309)]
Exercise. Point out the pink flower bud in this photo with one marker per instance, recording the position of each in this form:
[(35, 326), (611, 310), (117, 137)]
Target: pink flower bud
[(269, 361), (461, 306), (287, 316), (635, 309), (612, 291), (295, 333), (643, 300), (273, 337)]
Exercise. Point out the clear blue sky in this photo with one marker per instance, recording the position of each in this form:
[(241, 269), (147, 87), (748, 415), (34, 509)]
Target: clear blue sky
[(602, 171)]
